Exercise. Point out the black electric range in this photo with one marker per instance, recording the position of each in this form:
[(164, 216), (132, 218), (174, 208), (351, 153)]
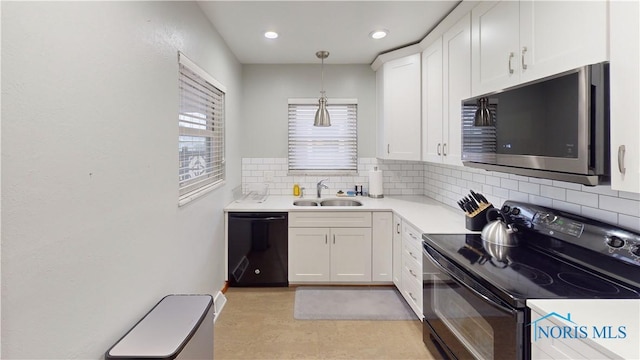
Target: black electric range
[(559, 256)]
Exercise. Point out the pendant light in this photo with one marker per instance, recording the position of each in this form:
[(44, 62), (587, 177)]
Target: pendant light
[(322, 115), (483, 113)]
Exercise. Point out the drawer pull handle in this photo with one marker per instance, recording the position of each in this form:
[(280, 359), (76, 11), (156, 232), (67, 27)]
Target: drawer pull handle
[(524, 50), (413, 256), (326, 239), (334, 238), (398, 228), (412, 297), (438, 151), (444, 149), (412, 273)]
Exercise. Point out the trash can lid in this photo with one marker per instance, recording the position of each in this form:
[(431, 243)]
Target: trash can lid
[(165, 329)]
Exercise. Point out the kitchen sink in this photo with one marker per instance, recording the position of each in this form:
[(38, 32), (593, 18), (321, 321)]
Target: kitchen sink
[(330, 202), (340, 202), (305, 203)]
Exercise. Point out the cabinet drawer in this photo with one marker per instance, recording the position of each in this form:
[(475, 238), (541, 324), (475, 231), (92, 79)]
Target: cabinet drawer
[(412, 292), (330, 219), (412, 268), (411, 234), (411, 252)]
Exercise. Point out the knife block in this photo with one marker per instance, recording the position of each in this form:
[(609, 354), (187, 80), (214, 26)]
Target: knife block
[(477, 219)]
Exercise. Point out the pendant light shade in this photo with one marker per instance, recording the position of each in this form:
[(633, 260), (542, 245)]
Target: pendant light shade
[(483, 114), (322, 115)]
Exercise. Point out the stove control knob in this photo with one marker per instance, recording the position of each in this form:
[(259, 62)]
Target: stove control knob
[(548, 218), (635, 251), (615, 242), (515, 211)]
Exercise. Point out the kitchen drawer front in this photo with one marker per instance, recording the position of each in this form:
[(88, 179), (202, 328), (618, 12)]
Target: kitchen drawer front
[(411, 234), (412, 268), (410, 252), (412, 293), (330, 219)]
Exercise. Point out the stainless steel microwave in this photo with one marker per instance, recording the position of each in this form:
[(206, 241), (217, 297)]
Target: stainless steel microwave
[(555, 128)]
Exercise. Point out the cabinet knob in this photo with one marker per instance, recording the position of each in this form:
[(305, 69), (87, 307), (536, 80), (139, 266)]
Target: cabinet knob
[(621, 151), (511, 55), (524, 50)]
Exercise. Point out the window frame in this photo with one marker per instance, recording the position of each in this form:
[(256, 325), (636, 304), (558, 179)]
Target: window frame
[(214, 133), (323, 172)]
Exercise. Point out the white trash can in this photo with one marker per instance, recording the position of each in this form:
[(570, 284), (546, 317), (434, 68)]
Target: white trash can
[(178, 327)]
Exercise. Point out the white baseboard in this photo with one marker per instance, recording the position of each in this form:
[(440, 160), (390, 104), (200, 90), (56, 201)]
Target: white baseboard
[(218, 304)]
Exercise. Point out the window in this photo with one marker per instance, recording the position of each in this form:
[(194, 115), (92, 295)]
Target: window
[(323, 150), (201, 131)]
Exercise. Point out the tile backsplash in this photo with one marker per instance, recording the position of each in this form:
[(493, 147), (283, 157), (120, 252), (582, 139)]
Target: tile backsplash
[(447, 184)]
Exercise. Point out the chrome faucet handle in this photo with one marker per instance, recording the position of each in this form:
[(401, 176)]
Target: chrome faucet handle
[(302, 192), (321, 186)]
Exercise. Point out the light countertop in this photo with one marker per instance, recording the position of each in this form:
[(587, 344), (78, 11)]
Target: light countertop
[(424, 213)]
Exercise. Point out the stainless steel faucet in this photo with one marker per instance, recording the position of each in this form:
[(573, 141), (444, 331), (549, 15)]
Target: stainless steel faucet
[(321, 186)]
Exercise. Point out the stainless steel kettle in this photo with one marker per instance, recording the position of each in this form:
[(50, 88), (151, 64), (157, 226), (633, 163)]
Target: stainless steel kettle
[(498, 230)]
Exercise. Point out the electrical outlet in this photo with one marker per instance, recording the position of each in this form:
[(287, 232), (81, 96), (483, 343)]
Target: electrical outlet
[(268, 176)]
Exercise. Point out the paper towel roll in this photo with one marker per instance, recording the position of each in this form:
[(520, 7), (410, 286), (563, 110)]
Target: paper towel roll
[(375, 183)]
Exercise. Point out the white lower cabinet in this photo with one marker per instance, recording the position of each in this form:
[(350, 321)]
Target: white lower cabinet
[(324, 247), (397, 251), (382, 246), (411, 271)]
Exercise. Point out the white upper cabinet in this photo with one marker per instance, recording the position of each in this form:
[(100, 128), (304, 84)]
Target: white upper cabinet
[(399, 126), (432, 105), (456, 86), (516, 42), (446, 74), (495, 44), (625, 96)]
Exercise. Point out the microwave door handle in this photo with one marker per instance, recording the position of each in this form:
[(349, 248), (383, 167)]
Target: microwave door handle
[(483, 297)]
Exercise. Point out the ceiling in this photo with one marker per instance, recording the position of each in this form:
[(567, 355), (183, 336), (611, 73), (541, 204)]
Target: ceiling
[(304, 27)]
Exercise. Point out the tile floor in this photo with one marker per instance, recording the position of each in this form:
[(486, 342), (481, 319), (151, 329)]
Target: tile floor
[(258, 323)]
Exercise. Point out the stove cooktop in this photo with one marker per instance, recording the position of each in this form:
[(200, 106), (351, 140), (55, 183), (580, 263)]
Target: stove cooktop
[(524, 272)]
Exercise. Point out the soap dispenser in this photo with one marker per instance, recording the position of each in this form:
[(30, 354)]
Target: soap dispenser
[(296, 190)]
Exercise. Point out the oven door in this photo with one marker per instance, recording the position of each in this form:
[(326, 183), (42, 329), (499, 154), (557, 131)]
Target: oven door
[(464, 318)]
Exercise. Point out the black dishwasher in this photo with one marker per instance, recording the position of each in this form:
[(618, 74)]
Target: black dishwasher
[(258, 249)]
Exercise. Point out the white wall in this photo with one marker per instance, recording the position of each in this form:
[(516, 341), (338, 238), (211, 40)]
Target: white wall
[(92, 236), (268, 87)]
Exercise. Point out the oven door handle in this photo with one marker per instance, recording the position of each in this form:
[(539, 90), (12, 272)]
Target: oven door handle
[(484, 297)]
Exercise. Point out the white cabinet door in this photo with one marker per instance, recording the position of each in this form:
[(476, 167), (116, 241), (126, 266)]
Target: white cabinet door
[(432, 102), (401, 108), (382, 246), (557, 36), (351, 254), (456, 86), (625, 93), (309, 254), (520, 41), (495, 31), (397, 251)]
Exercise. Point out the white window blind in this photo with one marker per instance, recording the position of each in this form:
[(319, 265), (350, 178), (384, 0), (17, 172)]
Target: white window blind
[(323, 150), (201, 131)]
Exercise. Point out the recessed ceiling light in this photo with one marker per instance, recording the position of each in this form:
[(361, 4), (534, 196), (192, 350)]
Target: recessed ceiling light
[(271, 34), (378, 34)]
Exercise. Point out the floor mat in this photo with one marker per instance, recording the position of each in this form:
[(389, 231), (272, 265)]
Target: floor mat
[(350, 303)]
